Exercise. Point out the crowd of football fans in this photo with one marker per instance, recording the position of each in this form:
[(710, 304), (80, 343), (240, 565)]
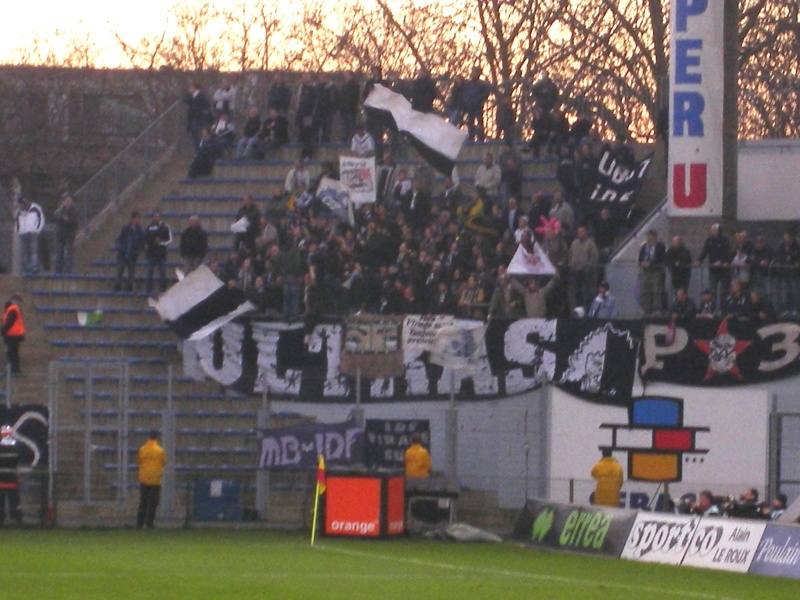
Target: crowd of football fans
[(434, 245)]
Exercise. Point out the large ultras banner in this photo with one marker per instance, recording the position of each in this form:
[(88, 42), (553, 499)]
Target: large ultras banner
[(424, 357), (692, 440), (400, 358)]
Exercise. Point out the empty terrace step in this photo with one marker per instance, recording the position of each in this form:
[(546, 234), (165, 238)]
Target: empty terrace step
[(179, 414), (68, 315), (106, 328), (133, 361), (148, 380), (89, 293), (118, 345), (80, 283)]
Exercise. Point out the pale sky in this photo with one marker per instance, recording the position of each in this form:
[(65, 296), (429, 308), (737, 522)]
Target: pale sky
[(30, 19), (26, 20)]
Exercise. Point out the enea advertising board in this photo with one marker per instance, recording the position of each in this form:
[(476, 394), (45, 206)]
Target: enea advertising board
[(585, 529), (696, 107)]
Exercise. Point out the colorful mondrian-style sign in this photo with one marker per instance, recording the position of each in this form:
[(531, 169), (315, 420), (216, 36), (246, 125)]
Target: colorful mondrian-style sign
[(655, 438)]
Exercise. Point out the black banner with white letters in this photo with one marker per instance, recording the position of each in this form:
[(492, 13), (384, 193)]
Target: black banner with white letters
[(592, 358), (712, 352), (618, 177), (387, 440)]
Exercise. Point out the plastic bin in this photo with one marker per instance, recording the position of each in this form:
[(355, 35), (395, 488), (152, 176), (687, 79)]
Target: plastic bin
[(216, 500)]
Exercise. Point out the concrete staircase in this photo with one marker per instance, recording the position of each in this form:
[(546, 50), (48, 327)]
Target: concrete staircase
[(215, 430)]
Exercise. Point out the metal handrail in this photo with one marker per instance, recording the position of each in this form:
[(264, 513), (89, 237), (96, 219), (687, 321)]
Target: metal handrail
[(115, 182), (634, 233)]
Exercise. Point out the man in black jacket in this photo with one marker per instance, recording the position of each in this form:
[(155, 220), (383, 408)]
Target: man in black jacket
[(423, 92), (349, 97), (679, 263), (651, 261), (198, 113), (307, 115), (251, 136), (247, 239), (717, 249), (157, 237), (194, 244), (130, 243)]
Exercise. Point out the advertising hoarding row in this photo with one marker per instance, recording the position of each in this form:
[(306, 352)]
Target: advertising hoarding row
[(737, 545)]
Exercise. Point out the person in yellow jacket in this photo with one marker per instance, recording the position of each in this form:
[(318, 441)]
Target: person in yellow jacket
[(417, 458), (151, 470), (13, 329), (609, 476)]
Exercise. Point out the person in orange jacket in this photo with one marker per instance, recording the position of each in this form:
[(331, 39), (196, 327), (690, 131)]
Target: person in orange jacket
[(417, 458), (609, 476), (151, 470), (13, 328)]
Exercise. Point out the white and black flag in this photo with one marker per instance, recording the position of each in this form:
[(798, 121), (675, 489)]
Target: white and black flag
[(619, 177), (199, 304), (438, 141)]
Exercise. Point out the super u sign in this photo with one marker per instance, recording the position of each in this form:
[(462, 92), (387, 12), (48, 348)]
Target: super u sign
[(696, 107)]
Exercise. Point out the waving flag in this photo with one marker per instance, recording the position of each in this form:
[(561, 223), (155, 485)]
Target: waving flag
[(335, 199), (438, 141), (199, 304)]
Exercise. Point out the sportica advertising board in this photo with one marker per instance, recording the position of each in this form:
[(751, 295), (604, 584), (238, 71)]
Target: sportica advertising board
[(778, 553), (687, 437), (725, 544), (696, 107), (585, 529), (660, 538)]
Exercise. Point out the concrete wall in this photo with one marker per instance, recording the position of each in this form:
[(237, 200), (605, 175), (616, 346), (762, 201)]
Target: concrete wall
[(501, 444)]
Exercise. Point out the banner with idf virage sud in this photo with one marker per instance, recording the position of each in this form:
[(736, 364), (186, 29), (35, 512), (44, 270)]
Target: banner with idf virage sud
[(358, 174), (697, 84), (616, 182), (299, 446), (386, 440)]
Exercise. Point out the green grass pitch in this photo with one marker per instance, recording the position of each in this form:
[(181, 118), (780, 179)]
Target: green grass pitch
[(250, 563)]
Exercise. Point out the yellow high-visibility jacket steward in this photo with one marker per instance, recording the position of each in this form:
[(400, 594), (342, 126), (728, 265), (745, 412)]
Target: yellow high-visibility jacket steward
[(151, 463), (608, 473), (418, 461)]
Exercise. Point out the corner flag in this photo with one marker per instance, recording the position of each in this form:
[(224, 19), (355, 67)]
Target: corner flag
[(320, 475), (319, 491)]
